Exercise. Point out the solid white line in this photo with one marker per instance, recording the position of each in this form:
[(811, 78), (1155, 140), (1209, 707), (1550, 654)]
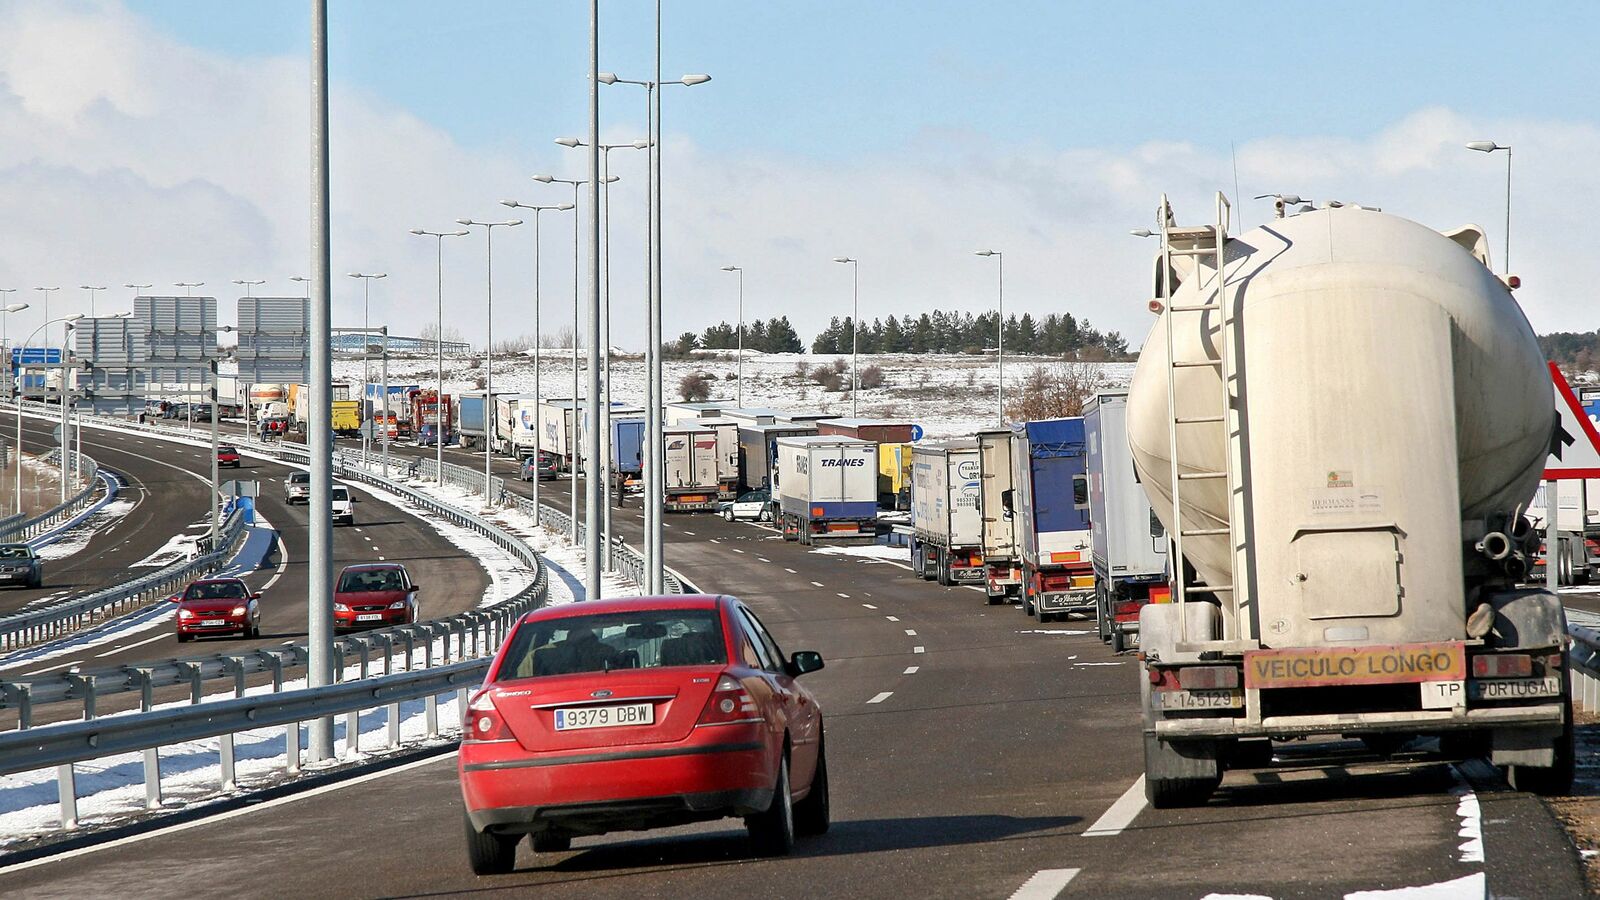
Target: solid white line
[(911, 670), (160, 637), (64, 665), (1045, 884), (911, 632), (882, 697), (224, 816), (917, 649), (283, 563), (1121, 814)]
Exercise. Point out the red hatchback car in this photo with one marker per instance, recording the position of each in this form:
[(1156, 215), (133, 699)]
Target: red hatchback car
[(218, 606), (228, 456), (374, 595), (620, 715)]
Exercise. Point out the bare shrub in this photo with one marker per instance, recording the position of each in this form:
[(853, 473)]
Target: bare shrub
[(695, 386), (829, 380), (872, 378), (840, 366), (1056, 391), (801, 371), (972, 378), (729, 376), (480, 382)]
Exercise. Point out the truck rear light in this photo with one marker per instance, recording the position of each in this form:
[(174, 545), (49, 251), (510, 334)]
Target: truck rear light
[(1161, 594), (484, 724), (1163, 679), (1200, 678), (817, 510), (1502, 665), (728, 704)]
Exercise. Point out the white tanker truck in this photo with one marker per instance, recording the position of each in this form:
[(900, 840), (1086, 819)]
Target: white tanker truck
[(1341, 446)]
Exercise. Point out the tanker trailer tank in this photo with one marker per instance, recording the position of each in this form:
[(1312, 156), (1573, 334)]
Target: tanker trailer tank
[(1340, 446)]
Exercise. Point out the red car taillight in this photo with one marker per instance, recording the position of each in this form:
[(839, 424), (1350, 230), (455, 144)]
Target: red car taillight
[(483, 722), (729, 703)]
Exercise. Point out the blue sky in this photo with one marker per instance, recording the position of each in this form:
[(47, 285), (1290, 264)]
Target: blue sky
[(905, 134), (838, 80)]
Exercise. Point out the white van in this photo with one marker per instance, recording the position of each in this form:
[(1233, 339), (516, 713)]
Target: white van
[(344, 507)]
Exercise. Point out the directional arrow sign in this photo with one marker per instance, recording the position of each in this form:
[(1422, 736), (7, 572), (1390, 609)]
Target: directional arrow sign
[(1575, 453)]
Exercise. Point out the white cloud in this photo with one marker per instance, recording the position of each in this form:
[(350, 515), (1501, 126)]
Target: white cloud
[(127, 156)]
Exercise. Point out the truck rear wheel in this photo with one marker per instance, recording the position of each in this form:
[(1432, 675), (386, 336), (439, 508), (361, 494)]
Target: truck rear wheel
[(942, 567), (1179, 774)]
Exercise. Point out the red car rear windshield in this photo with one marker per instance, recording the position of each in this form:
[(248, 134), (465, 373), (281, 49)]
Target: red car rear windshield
[(216, 590), (646, 639)]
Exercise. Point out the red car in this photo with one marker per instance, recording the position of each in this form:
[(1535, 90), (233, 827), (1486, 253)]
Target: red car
[(228, 456), (619, 715), (218, 606), (374, 595)]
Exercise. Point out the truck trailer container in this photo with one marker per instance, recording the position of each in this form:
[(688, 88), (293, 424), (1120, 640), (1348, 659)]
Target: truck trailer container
[(1129, 544), (431, 418), (1340, 438), (879, 431), (627, 442), (691, 468), (727, 454), (1002, 566), (827, 488), (691, 410), (345, 417), (1050, 504), (946, 518), (516, 422), (474, 429), (894, 475), (758, 452)]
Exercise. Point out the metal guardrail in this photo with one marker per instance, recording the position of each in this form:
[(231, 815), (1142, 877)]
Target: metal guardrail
[(28, 528), (1585, 656)]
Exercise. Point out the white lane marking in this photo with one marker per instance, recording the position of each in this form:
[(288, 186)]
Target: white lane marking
[(816, 584), (882, 697), (790, 571), (224, 816), (911, 632), (375, 547), (737, 550), (845, 596), (763, 559), (911, 670), (160, 637), (890, 618), (1467, 809), (283, 563), (1077, 665), (918, 649), (688, 532), (1045, 884), (382, 559), (50, 668), (1121, 814), (358, 531)]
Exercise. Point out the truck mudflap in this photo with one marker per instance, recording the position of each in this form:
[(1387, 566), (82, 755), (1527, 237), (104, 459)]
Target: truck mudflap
[(1066, 601)]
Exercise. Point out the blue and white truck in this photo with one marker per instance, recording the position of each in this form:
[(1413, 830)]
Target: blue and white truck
[(827, 489), (1050, 506), (1129, 543)]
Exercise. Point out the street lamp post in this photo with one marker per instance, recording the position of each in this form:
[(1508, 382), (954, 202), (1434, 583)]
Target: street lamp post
[(438, 343), (92, 291), (740, 381), (488, 355), (855, 327), (366, 350), (45, 328), (577, 277), (138, 289), (188, 286), (1000, 336), (655, 477), (11, 389), (47, 291), (538, 451), (607, 450), (1491, 147)]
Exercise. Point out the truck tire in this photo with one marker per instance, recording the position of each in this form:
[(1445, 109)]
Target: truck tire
[(788, 530), (1180, 774), (1119, 641), (917, 564), (942, 568)]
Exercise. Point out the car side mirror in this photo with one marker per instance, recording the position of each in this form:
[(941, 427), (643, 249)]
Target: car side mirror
[(415, 586), (256, 596), (174, 598), (804, 661)]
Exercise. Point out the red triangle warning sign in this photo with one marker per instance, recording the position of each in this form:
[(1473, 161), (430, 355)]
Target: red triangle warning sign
[(1576, 449)]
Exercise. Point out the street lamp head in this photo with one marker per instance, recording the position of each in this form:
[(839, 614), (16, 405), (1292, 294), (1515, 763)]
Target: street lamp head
[(843, 259), (608, 77), (413, 231), (1142, 233), (129, 315), (16, 307), (730, 268), (692, 80), (1288, 199), (546, 179), (138, 286), (511, 203), (612, 180), (465, 222), (73, 318), (566, 206), (640, 144), (303, 278), (570, 142), (986, 252), (510, 222), (90, 287), (1485, 146)]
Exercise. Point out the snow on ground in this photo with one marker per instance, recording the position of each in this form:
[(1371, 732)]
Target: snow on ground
[(878, 552), (950, 395), (78, 537)]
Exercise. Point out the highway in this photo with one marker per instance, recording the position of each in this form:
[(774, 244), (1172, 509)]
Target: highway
[(451, 580), (972, 753)]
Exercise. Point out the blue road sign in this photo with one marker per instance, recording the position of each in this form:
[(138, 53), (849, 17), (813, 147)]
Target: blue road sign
[(916, 433)]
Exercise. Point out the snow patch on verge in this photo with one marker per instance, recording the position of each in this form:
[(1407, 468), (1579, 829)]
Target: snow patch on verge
[(80, 535)]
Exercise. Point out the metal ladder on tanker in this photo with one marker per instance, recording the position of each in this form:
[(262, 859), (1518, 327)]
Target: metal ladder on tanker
[(1197, 242)]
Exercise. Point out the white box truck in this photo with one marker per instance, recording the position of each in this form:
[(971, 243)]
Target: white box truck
[(1002, 568), (727, 431), (517, 423), (691, 469), (827, 488), (946, 521), (1127, 541)]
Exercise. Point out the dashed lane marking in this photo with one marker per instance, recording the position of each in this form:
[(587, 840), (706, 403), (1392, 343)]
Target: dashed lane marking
[(688, 532), (1121, 814), (845, 596), (868, 606), (911, 632), (911, 670), (1045, 884), (816, 584), (790, 571), (890, 618), (160, 637), (763, 559), (882, 697), (918, 649)]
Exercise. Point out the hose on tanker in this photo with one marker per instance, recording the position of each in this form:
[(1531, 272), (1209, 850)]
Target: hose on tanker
[(1495, 545)]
